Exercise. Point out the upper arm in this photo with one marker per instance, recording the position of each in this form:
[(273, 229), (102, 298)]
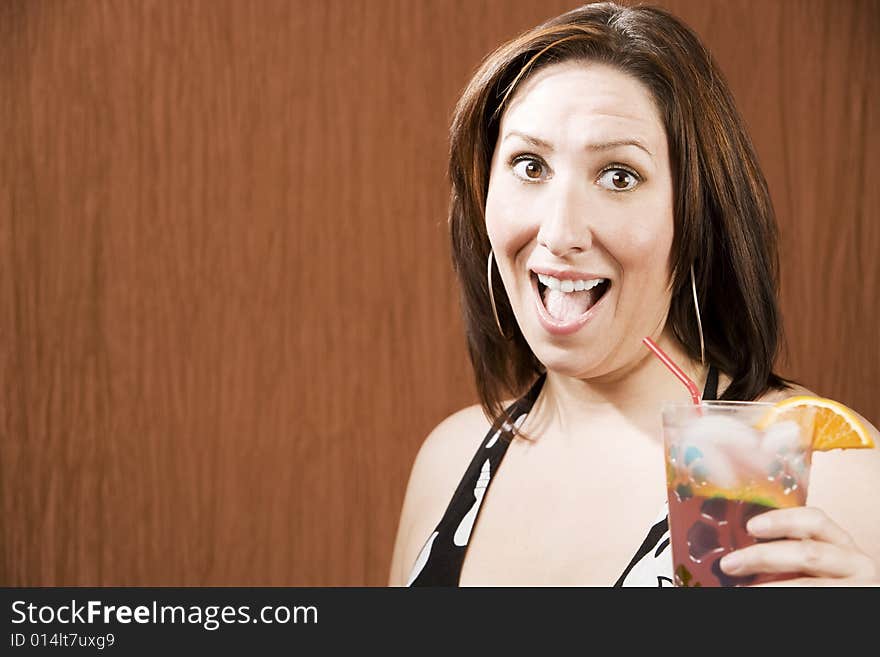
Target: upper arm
[(843, 484), (439, 465)]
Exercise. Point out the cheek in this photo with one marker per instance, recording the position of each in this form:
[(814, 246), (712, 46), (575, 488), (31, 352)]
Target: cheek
[(644, 246), (506, 223)]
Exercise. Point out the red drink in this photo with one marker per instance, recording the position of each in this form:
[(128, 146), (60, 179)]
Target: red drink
[(704, 530), (724, 466)]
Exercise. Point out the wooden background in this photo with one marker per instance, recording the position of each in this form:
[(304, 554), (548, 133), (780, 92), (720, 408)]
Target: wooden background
[(228, 315)]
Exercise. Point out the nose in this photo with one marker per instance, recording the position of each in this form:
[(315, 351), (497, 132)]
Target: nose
[(565, 228)]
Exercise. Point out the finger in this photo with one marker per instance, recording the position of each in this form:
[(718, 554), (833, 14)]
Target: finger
[(805, 557), (798, 522)]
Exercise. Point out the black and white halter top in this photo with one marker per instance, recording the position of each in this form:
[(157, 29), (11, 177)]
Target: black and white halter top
[(440, 560)]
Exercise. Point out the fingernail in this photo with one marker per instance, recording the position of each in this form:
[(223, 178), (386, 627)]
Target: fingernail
[(731, 562), (757, 525)]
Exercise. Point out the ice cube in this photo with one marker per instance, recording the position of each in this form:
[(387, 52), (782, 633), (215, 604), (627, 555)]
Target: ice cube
[(789, 484), (715, 507), (718, 430), (684, 492), (702, 539), (781, 438), (717, 467), (727, 446)]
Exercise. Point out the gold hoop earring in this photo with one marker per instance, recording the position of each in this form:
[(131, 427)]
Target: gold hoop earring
[(699, 319), (492, 295)]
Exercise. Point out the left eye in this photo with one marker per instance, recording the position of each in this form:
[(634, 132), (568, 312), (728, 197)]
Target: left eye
[(618, 180)]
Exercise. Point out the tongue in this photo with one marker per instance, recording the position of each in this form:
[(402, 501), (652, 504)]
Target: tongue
[(566, 306)]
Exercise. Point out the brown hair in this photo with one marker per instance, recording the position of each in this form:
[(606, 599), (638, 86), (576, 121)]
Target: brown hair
[(725, 226)]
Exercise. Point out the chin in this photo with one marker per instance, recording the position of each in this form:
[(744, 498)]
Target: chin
[(580, 362)]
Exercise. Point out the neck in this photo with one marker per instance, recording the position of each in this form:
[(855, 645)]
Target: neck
[(634, 394)]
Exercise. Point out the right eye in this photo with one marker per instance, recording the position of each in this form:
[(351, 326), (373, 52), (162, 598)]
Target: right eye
[(529, 168)]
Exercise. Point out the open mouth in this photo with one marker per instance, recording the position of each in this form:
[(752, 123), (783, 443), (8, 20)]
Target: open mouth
[(567, 300)]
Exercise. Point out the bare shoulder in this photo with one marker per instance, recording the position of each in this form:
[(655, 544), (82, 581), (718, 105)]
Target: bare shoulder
[(774, 396), (445, 454), (438, 467), (456, 436)]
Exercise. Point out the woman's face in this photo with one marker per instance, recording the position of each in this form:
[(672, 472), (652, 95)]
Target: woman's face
[(579, 213)]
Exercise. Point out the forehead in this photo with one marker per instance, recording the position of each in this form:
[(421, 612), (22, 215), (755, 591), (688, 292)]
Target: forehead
[(585, 99)]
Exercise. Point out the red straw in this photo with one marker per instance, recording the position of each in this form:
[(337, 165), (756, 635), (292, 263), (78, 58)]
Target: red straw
[(675, 369)]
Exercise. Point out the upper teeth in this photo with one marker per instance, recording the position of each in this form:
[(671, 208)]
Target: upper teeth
[(568, 285)]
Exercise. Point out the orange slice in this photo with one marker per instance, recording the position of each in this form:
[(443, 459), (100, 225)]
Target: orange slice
[(836, 425)]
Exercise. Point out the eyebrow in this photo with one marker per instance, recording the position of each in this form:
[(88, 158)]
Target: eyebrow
[(596, 146)]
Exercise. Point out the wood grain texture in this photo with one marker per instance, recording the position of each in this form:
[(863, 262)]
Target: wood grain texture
[(230, 317)]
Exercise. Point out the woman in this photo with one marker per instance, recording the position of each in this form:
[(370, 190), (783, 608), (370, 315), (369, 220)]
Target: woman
[(604, 189)]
